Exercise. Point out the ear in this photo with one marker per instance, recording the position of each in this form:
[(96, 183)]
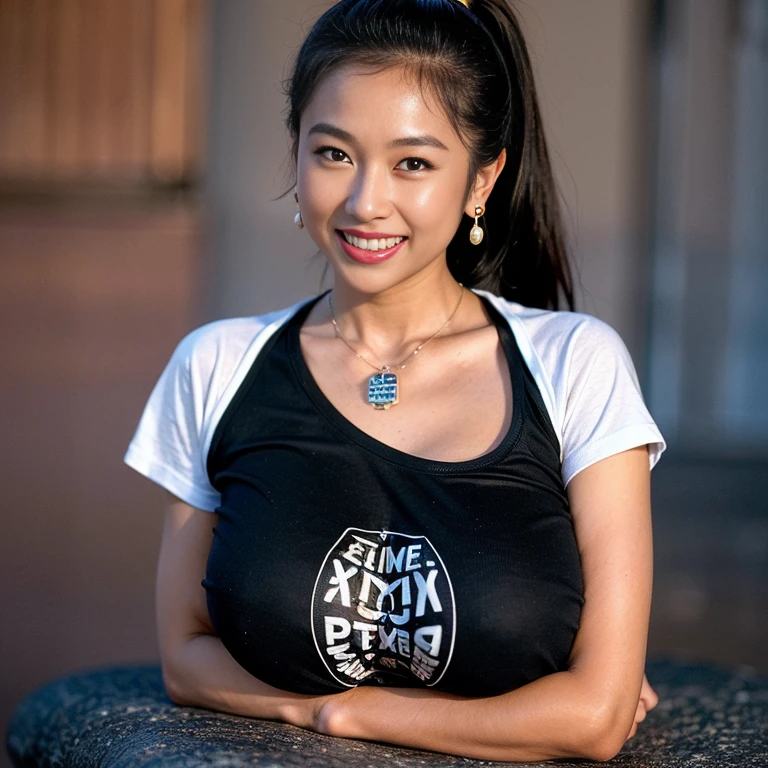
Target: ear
[(486, 178)]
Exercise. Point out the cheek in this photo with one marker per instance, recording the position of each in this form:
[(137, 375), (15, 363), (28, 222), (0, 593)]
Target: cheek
[(436, 207), (322, 190), (317, 196)]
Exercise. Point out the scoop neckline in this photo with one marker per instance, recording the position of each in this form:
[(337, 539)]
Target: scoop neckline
[(328, 410)]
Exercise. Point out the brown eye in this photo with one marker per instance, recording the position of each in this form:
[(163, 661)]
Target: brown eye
[(417, 161), (338, 155)]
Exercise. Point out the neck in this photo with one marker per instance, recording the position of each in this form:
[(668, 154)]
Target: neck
[(392, 322)]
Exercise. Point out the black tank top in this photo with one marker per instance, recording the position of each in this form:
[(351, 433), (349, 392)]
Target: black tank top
[(338, 560)]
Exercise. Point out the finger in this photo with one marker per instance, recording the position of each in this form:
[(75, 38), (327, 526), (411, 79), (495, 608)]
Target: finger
[(650, 697)]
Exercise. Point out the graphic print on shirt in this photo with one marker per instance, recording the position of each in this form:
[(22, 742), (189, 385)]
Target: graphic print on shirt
[(383, 602)]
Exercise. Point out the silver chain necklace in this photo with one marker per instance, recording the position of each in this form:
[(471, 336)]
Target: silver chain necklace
[(384, 386)]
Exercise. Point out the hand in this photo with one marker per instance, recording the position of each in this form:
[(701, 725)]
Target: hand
[(648, 700)]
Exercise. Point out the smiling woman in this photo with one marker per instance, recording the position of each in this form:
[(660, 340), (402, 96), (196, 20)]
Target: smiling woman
[(365, 177), (429, 485)]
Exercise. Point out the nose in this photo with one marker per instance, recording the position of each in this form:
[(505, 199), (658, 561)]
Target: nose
[(370, 194)]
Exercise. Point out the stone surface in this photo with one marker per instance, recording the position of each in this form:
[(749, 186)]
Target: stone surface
[(120, 717)]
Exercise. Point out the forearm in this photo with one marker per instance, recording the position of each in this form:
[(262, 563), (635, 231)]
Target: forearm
[(204, 674), (552, 717)]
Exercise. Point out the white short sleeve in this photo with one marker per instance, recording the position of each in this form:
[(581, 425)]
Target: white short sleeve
[(171, 443), (604, 410), (167, 445)]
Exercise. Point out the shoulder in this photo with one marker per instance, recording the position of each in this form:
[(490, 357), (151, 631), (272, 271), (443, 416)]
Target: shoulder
[(215, 349), (585, 376), (171, 442), (557, 338), (219, 339), (233, 333)]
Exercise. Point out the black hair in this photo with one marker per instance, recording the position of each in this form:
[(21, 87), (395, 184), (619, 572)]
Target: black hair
[(475, 61)]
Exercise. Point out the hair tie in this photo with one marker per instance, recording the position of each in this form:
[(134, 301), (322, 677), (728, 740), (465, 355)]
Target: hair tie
[(465, 3)]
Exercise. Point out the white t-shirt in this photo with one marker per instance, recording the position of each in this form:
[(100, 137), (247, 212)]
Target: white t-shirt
[(581, 366)]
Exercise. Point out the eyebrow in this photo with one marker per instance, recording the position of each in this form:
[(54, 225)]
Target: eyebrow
[(424, 140)]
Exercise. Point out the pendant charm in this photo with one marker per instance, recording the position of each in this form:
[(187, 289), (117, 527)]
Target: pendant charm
[(383, 390), (476, 233)]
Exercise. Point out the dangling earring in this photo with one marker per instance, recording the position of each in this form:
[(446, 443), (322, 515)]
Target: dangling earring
[(297, 218), (476, 233)]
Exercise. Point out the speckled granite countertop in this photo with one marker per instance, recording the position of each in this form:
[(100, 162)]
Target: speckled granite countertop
[(120, 717)]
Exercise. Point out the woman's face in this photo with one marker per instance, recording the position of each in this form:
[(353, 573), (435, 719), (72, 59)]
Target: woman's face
[(374, 157)]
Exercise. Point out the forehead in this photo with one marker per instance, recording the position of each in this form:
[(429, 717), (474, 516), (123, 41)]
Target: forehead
[(384, 104)]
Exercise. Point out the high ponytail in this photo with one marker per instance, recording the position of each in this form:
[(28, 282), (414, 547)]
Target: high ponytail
[(476, 62)]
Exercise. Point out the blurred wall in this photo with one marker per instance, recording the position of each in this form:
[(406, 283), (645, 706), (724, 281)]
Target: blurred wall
[(99, 92), (594, 75), (259, 260), (101, 241), (708, 346)]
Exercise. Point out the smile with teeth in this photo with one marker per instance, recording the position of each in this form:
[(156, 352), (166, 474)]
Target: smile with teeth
[(372, 245)]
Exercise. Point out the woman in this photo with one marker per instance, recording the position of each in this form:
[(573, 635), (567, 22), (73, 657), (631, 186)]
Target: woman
[(416, 507)]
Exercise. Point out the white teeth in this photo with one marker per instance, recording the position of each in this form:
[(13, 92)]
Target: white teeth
[(372, 245)]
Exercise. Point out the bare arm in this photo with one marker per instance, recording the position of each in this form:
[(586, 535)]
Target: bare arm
[(197, 668), (587, 711)]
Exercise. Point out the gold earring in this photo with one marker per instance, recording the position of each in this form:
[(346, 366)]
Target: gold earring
[(476, 233), (297, 217)]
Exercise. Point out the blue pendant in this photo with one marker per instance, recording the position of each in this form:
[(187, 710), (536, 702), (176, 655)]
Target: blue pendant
[(383, 390)]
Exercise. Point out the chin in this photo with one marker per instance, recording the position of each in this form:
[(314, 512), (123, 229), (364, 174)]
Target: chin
[(373, 279), (363, 280)]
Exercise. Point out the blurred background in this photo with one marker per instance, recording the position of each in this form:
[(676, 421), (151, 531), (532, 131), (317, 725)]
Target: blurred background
[(142, 150)]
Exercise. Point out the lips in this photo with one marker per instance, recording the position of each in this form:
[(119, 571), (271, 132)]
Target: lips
[(365, 256)]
